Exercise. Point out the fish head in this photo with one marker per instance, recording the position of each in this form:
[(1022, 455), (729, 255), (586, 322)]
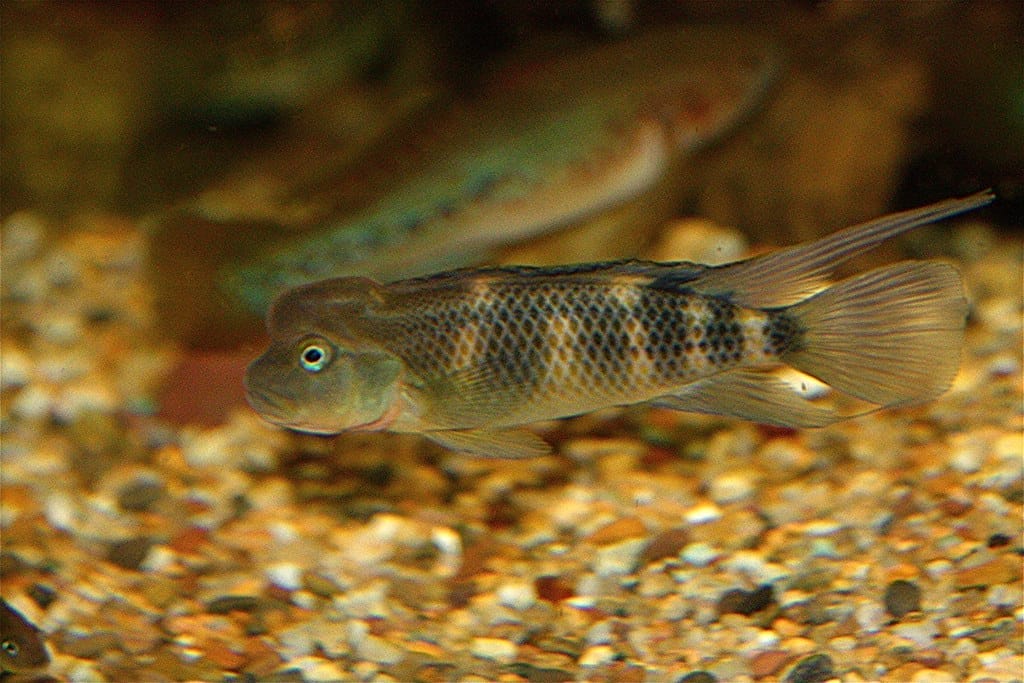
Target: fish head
[(21, 643), (323, 384)]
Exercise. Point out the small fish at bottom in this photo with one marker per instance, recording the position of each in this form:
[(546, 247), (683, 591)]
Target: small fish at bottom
[(467, 357), (22, 648)]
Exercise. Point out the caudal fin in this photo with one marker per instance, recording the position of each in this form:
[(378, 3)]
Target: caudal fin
[(891, 336)]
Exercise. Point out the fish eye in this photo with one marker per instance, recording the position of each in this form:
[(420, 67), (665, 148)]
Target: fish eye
[(314, 355), (10, 647)]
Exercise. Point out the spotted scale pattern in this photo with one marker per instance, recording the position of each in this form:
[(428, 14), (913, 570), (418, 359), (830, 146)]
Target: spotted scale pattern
[(533, 346)]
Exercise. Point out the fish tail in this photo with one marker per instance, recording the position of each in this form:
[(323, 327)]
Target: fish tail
[(891, 336)]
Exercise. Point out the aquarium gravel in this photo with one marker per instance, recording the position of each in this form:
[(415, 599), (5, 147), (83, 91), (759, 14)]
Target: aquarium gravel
[(652, 545)]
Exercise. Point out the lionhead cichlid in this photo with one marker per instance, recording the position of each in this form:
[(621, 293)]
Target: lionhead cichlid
[(467, 357)]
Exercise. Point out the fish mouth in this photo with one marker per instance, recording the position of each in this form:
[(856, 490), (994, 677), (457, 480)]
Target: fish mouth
[(270, 406)]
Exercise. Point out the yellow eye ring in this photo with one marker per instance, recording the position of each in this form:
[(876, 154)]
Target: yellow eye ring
[(314, 355)]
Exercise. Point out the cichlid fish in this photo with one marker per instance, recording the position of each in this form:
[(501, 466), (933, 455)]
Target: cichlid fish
[(542, 146), (21, 645), (467, 357)]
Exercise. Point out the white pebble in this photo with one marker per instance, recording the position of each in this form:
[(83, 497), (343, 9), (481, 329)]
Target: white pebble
[(365, 601), (287, 575), (86, 672), (619, 558), (870, 616), (699, 554), (601, 633), (446, 540), (518, 595), (967, 453), (1002, 596), (318, 669), (1004, 365), (61, 512), (159, 558), (922, 634), (495, 649), (597, 655), (822, 527), (702, 514), (581, 602), (731, 487), (209, 448)]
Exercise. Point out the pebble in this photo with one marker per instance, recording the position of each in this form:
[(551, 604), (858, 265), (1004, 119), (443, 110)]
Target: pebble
[(495, 649), (814, 669), (997, 570), (870, 616), (768, 662), (249, 552), (922, 634), (518, 595), (699, 554), (731, 487), (598, 655), (619, 530), (379, 650), (619, 558), (902, 597), (702, 514), (286, 575)]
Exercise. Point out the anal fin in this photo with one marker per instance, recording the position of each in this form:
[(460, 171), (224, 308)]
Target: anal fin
[(492, 443), (752, 395)]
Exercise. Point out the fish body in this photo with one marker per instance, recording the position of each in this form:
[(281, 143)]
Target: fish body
[(22, 647), (467, 357), (542, 145)]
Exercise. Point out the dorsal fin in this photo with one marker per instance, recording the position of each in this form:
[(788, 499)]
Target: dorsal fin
[(784, 277)]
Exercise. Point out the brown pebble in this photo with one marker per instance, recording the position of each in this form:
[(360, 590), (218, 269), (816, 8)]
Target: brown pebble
[(698, 677), (130, 552), (619, 530), (263, 659), (189, 540), (902, 597), (553, 589), (666, 544), (218, 652), (930, 658), (998, 570), (139, 495), (955, 507), (768, 662), (739, 601), (234, 603)]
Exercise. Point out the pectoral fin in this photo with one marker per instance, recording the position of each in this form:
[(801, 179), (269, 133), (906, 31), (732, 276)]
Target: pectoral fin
[(492, 443), (752, 395)]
